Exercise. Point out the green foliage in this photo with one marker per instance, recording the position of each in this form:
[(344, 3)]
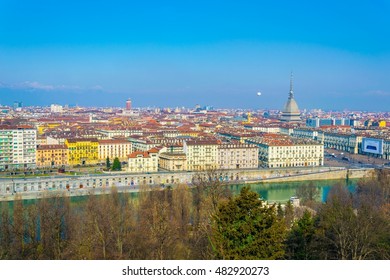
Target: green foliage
[(289, 214), (243, 228), (199, 223), (116, 166), (298, 244)]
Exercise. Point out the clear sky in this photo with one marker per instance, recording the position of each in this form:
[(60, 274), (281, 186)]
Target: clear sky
[(180, 53)]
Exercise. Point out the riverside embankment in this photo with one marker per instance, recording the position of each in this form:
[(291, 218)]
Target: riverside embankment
[(31, 188)]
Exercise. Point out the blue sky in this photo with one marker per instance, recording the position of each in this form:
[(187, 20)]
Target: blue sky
[(180, 53)]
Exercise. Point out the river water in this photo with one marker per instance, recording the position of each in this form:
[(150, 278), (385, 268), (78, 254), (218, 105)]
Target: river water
[(281, 192), (272, 192)]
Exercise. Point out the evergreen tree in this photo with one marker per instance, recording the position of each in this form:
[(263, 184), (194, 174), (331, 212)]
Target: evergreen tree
[(300, 238), (289, 214), (108, 163), (243, 228), (116, 166)]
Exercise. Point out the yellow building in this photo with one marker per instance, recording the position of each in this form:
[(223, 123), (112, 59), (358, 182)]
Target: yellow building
[(52, 155), (173, 161), (83, 151), (43, 127), (190, 133)]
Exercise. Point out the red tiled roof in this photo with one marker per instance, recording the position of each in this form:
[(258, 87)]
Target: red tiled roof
[(51, 147)]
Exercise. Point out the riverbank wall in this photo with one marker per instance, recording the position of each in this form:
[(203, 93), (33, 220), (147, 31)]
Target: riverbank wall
[(30, 188), (323, 175)]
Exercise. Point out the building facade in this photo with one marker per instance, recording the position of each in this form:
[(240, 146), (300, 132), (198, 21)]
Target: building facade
[(52, 155), (276, 151), (201, 154), (83, 151), (17, 147), (238, 156), (173, 161), (114, 148), (143, 162)]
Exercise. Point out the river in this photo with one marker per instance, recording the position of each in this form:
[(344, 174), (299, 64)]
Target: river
[(281, 192), (272, 192)]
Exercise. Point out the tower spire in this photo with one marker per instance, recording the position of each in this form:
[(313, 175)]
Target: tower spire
[(291, 94)]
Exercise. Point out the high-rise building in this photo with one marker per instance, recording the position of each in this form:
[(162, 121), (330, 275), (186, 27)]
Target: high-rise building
[(17, 104), (55, 108), (291, 112), (17, 147), (128, 104)]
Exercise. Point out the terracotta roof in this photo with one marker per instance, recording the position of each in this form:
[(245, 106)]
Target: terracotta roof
[(51, 147), (113, 141), (143, 154), (15, 127), (75, 140)]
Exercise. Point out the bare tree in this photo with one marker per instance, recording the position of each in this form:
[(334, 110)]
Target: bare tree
[(54, 215), (348, 232), (5, 232)]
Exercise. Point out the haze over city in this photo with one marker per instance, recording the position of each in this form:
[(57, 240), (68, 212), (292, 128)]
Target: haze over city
[(98, 53)]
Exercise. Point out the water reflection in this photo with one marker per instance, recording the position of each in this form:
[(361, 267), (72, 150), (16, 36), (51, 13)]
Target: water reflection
[(281, 192)]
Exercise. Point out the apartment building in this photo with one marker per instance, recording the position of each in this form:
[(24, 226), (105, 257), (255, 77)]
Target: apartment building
[(83, 151), (113, 148), (284, 151), (201, 154), (143, 162), (17, 147), (52, 155), (173, 161), (238, 156)]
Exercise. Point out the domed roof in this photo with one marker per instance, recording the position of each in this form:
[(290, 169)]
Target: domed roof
[(291, 111), (291, 106)]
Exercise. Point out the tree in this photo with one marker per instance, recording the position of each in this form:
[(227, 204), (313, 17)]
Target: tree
[(208, 192), (5, 232), (289, 215), (108, 163), (298, 244), (308, 194), (347, 232), (18, 241), (116, 166), (54, 219), (156, 234), (243, 228)]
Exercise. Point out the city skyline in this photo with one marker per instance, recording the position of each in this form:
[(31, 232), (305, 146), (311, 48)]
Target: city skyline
[(178, 54)]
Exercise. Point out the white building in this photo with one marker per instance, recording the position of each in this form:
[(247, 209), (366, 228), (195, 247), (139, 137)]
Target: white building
[(17, 147), (142, 162), (173, 161), (284, 151), (55, 108), (238, 156), (112, 133), (113, 148), (201, 154)]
